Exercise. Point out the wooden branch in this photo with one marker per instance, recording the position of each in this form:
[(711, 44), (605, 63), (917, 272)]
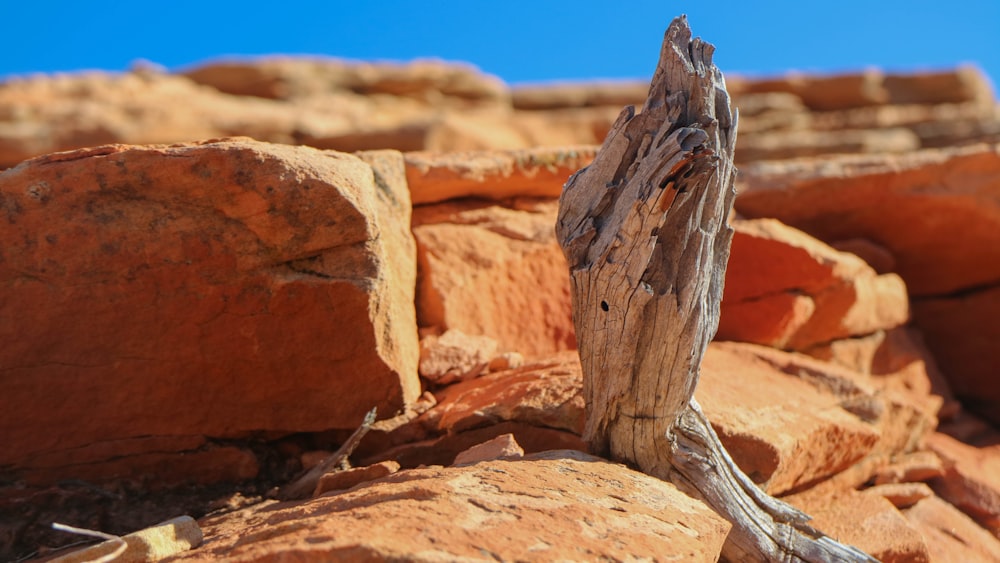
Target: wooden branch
[(645, 229), (306, 484)]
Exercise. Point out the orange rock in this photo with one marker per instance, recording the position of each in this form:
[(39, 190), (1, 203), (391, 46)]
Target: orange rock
[(501, 447), (455, 356), (905, 365), (902, 495), (865, 520), (570, 506), (561, 95), (910, 468), (952, 537), (539, 172), (787, 290), (544, 393), (444, 449), (301, 77), (902, 420), (873, 87), (972, 479), (211, 289), (340, 480), (877, 197), (487, 269), (962, 330), (949, 258), (71, 111), (494, 129), (782, 431), (775, 145)]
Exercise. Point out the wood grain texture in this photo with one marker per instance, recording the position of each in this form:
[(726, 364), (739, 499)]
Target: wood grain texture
[(645, 229)]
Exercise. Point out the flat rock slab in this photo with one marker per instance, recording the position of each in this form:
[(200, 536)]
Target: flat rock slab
[(215, 289), (783, 431), (971, 480), (559, 505), (788, 290), (937, 213), (538, 172), (495, 270)]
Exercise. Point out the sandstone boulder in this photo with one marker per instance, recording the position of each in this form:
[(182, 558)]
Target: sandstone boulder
[(971, 480), (774, 145), (295, 78), (951, 536), (498, 175), (44, 114), (562, 95), (504, 446), (936, 212), (496, 270), (168, 294), (569, 506), (866, 520), (788, 290), (874, 87), (455, 356), (783, 431)]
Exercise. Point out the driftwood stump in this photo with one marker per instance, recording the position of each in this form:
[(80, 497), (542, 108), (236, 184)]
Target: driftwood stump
[(645, 229)]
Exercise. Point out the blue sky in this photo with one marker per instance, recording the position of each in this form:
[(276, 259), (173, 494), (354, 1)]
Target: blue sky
[(520, 41)]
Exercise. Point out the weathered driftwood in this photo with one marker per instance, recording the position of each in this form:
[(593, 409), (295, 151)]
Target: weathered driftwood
[(645, 229)]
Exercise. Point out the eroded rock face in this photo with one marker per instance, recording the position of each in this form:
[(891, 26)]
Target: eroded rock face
[(497, 175), (936, 213), (430, 81), (787, 290), (971, 481), (488, 269), (599, 510), (204, 290)]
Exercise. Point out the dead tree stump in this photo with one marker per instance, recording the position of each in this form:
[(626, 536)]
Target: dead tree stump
[(645, 229)]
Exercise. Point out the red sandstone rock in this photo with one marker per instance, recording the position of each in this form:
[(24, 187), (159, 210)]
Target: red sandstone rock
[(782, 431), (428, 80), (902, 495), (340, 480), (211, 289), (910, 468), (455, 356), (442, 450), (865, 520), (541, 172), (779, 144), (873, 87), (501, 447), (64, 112), (971, 480), (569, 506), (937, 213), (819, 92), (487, 269), (561, 95), (501, 129), (952, 537), (878, 197), (902, 420), (787, 290), (544, 393)]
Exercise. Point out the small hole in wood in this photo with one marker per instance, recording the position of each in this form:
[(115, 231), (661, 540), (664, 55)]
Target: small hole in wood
[(604, 306)]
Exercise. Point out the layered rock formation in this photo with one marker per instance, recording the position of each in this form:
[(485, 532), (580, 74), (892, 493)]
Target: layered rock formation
[(221, 313), (156, 298)]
